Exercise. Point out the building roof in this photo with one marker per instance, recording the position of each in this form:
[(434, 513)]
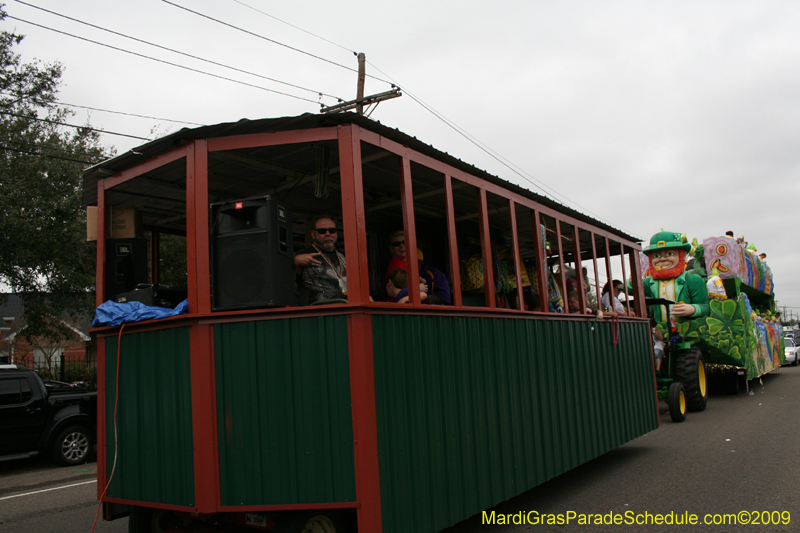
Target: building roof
[(12, 305)]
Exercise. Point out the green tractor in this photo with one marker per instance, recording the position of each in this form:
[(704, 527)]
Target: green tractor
[(681, 380), (733, 344)]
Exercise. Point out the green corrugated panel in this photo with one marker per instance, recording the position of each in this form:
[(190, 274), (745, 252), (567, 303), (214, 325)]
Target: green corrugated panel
[(472, 411), (154, 418), (284, 414)]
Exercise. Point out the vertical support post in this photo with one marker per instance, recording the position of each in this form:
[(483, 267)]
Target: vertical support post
[(198, 256), (410, 228), (609, 275), (102, 478), (638, 287), (204, 418), (624, 274), (353, 218), (365, 423), (455, 270), (512, 212), (100, 287), (541, 260), (486, 249), (577, 254), (561, 269), (597, 295)]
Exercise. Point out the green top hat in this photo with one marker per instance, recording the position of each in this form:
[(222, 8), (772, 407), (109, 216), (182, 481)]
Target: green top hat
[(667, 239)]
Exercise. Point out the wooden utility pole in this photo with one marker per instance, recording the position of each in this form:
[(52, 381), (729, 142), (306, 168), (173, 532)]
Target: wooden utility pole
[(362, 60), (361, 101)]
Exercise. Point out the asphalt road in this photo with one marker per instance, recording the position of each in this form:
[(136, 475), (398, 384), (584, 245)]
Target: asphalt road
[(741, 454), (36, 496)]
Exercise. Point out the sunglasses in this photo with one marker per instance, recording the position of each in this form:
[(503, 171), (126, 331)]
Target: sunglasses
[(323, 231), (398, 243), (620, 289)]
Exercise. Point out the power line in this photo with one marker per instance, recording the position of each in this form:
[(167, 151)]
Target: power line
[(114, 112), (131, 114), (178, 51), (163, 61), (494, 155), (73, 125), (271, 40), (482, 146), (46, 146), (51, 156), (295, 27)]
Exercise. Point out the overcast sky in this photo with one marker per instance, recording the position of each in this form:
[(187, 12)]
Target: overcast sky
[(682, 115)]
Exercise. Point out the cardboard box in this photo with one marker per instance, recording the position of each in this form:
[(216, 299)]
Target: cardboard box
[(124, 223), (91, 223)]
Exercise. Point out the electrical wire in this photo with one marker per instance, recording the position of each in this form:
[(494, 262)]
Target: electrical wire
[(27, 152), (177, 51), (547, 190), (497, 157), (73, 125), (162, 60), (114, 112), (46, 147), (295, 27), (131, 114), (116, 432), (271, 40)]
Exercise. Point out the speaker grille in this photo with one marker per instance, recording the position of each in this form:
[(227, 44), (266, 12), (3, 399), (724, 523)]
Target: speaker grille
[(252, 263)]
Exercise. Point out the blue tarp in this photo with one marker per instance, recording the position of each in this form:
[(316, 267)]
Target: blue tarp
[(114, 314)]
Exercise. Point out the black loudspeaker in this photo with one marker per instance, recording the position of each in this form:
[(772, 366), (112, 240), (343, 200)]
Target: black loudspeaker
[(252, 263), (126, 265)]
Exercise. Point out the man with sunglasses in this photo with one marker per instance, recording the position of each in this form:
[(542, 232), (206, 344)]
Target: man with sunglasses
[(321, 268), (397, 247)]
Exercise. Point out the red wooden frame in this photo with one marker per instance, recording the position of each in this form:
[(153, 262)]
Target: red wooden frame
[(452, 242), (410, 229), (540, 251), (561, 267), (577, 254), (512, 212)]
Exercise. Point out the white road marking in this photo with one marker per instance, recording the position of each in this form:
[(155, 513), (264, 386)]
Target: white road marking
[(48, 490)]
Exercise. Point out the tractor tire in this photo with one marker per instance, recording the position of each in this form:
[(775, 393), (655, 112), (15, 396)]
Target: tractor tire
[(677, 402), (690, 369)]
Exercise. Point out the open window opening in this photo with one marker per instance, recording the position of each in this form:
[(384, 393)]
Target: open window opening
[(468, 235), (528, 235), (146, 224), (501, 253), (398, 230), (264, 203)]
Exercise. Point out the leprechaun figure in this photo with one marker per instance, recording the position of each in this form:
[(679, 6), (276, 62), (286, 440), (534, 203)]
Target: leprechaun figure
[(667, 253)]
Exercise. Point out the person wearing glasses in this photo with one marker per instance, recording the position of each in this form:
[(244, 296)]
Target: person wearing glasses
[(321, 268), (397, 247), (610, 303)]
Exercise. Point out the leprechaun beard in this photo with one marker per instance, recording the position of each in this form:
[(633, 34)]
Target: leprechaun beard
[(673, 272)]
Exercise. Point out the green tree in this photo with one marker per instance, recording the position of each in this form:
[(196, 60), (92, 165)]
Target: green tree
[(44, 256)]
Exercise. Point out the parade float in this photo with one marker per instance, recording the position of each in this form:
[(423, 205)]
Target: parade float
[(736, 338)]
